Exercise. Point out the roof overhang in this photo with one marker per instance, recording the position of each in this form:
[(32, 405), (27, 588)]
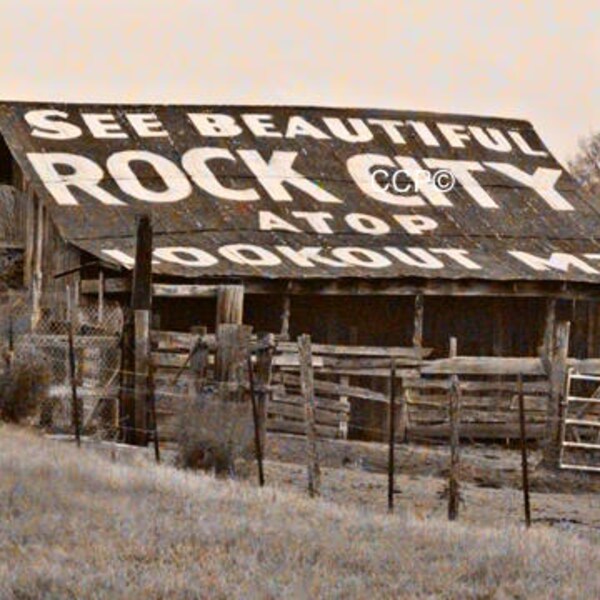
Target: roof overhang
[(307, 193)]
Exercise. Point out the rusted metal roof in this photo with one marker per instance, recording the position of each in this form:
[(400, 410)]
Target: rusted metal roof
[(297, 192)]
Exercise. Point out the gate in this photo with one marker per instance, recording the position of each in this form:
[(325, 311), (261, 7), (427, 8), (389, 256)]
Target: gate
[(580, 423)]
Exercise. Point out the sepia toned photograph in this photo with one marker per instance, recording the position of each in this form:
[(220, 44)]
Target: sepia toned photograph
[(299, 299)]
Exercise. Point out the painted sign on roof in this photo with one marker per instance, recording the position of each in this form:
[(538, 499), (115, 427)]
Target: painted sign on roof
[(292, 192)]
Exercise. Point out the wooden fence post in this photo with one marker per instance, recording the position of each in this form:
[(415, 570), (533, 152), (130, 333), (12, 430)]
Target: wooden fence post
[(127, 380), (198, 361), (454, 418), (142, 374), (233, 343), (558, 373), (71, 325), (308, 392), (392, 435), (141, 302), (524, 466), (256, 420), (152, 404), (264, 362)]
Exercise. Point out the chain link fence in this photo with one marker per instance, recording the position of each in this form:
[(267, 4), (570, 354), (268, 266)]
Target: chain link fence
[(43, 351)]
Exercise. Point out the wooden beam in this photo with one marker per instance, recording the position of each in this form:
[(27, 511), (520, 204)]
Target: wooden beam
[(230, 304), (308, 392), (558, 372), (364, 287)]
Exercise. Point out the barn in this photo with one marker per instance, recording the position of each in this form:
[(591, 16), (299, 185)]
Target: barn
[(361, 227)]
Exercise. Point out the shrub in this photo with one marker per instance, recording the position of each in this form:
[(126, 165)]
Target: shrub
[(23, 388), (215, 435)]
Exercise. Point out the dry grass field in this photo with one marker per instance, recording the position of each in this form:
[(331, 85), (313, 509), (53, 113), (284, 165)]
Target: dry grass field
[(73, 524)]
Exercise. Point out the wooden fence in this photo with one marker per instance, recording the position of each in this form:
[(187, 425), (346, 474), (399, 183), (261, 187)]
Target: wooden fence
[(489, 386)]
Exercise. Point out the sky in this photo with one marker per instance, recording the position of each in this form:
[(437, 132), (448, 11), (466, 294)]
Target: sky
[(533, 59)]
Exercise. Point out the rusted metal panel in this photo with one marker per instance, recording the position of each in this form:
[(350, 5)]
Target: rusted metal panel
[(289, 192)]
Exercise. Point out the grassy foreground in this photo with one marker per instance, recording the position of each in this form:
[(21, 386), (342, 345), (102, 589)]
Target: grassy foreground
[(75, 525)]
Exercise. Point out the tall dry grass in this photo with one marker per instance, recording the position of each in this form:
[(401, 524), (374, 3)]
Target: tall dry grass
[(75, 525)]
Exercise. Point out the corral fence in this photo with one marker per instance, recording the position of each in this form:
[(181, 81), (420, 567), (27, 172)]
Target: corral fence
[(346, 378), (489, 400)]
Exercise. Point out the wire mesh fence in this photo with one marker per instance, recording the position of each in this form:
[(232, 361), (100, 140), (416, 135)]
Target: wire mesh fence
[(43, 351)]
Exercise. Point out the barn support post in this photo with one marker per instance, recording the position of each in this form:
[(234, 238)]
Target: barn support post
[(308, 393), (230, 304), (284, 334), (557, 375)]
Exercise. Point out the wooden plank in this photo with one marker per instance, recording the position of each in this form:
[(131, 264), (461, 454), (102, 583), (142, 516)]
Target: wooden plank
[(529, 387), (478, 431), (292, 411), (582, 423), (374, 351), (337, 389), (483, 365), (342, 364), (507, 403), (298, 427), (400, 373), (324, 403), (483, 417), (589, 366), (172, 290)]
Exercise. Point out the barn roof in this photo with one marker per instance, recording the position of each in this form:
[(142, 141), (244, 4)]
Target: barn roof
[(303, 192)]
